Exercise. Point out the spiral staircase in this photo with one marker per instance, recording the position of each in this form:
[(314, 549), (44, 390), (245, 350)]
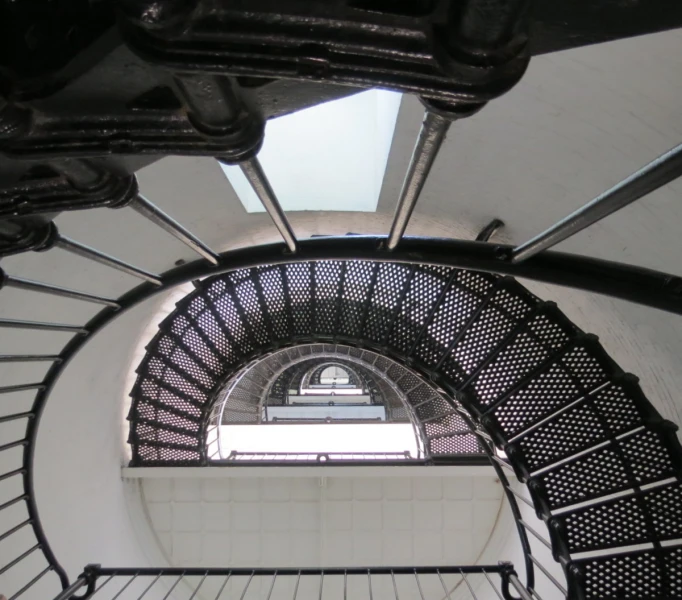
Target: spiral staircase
[(486, 370)]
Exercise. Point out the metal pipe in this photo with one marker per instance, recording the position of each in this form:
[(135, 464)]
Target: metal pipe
[(16, 416), (222, 587), (91, 254), (519, 587), (298, 580), (419, 585), (272, 586), (473, 594), (142, 206), (549, 575), (15, 529), (12, 474), (19, 558), (45, 288), (68, 593), (13, 445), (328, 571), (15, 324), (656, 174), (253, 171), (395, 586), (125, 587), (535, 534), (492, 585), (445, 589), (246, 587), (22, 388), (149, 587), (28, 358), (170, 591), (13, 501), (31, 583), (194, 593), (431, 137)]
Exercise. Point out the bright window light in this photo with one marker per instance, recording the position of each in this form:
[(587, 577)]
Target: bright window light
[(299, 438), (329, 157)]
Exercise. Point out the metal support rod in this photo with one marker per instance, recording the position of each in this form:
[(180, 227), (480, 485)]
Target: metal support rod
[(253, 171), (68, 593), (45, 288), (91, 254), (549, 576), (246, 587), (395, 586), (492, 585), (194, 593), (13, 445), (7, 358), (445, 589), (14, 324), (22, 388), (13, 501), (31, 583), (125, 587), (419, 585), (14, 529), (656, 174), (298, 580), (519, 587), (535, 534), (473, 594), (19, 558), (149, 587), (142, 206), (16, 416), (431, 137), (222, 587), (175, 583)]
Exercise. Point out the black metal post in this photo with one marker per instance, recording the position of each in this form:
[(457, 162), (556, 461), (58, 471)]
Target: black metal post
[(91, 254), (656, 174), (15, 324), (45, 288), (431, 138), (253, 171), (170, 225)]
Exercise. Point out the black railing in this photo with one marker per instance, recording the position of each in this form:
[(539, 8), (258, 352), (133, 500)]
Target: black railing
[(394, 583)]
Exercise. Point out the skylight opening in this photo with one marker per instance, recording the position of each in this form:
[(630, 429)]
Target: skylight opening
[(329, 157)]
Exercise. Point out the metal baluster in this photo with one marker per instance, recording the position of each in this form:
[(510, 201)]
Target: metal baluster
[(253, 171), (548, 575), (492, 585), (15, 324), (419, 585), (107, 580), (345, 585), (13, 445), (272, 585), (13, 501), (445, 589), (322, 584), (520, 497), (142, 206), (125, 587), (656, 174), (149, 587), (246, 587), (31, 583), (24, 387), (44, 288), (369, 583), (84, 251), (12, 358), (194, 593), (12, 474), (535, 533), (298, 580), (395, 587), (170, 591), (431, 137), (17, 560), (473, 594), (222, 587), (15, 529)]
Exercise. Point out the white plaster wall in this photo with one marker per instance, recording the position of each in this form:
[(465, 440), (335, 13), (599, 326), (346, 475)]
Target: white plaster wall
[(279, 522)]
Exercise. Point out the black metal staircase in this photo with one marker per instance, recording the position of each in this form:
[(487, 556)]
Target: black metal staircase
[(197, 77)]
